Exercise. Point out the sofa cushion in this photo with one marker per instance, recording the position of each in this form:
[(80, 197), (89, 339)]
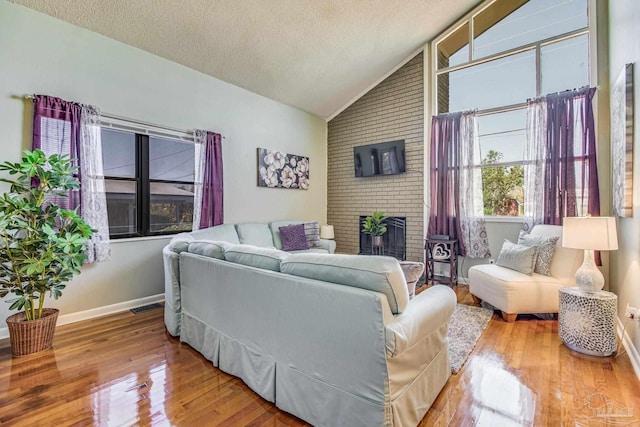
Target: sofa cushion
[(546, 246), (255, 234), (293, 237), (376, 273), (209, 248), (517, 257), (223, 232), (180, 242), (275, 231), (311, 251), (254, 256), (312, 232)]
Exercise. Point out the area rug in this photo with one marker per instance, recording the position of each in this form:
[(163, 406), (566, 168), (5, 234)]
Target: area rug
[(465, 327)]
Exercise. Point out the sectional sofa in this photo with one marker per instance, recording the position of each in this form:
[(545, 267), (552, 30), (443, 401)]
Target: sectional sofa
[(332, 339)]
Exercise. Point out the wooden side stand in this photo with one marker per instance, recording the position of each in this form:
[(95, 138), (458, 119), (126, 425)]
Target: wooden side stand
[(441, 252)]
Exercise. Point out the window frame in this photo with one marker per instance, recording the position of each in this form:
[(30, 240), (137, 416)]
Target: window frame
[(143, 134), (468, 19)]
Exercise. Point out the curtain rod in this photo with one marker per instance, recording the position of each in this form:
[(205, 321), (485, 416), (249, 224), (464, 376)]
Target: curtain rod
[(133, 121)]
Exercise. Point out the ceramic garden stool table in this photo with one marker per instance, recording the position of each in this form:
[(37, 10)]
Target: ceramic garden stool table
[(586, 321), (412, 272)]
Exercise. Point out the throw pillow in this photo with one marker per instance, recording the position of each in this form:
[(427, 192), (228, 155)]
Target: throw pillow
[(312, 231), (293, 238), (546, 247), (517, 257)]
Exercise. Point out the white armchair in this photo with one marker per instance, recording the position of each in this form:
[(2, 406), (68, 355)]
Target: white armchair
[(516, 293)]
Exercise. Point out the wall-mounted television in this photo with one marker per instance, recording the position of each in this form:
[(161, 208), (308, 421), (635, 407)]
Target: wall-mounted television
[(385, 158)]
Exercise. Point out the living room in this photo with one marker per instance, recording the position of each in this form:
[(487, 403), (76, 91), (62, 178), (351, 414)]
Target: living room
[(60, 57)]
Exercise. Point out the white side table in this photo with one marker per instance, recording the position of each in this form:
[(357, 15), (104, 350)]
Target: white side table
[(586, 321)]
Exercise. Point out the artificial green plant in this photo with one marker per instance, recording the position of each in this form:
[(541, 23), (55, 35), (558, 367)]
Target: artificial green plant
[(41, 244), (374, 224)]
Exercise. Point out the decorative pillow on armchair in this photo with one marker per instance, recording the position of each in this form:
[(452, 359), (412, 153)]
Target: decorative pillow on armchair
[(517, 257), (546, 246), (293, 238)]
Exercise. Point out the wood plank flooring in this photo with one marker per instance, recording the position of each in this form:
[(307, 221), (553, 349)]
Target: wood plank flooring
[(124, 369)]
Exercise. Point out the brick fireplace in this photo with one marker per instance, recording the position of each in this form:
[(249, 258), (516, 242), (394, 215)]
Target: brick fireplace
[(393, 241)]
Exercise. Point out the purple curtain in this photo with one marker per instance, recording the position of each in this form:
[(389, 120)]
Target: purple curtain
[(212, 186), (569, 155), (445, 162), (56, 130)]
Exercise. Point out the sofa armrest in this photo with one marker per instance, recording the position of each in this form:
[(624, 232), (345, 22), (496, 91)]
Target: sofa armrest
[(329, 245), (425, 314), (172, 306)]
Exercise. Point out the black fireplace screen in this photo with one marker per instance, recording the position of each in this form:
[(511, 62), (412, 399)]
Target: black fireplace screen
[(393, 241)]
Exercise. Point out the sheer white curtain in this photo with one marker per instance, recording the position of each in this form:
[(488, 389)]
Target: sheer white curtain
[(472, 224), (93, 196), (535, 160), (200, 139)]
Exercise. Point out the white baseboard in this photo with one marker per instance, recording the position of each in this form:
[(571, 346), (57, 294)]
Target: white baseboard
[(97, 312), (629, 347)]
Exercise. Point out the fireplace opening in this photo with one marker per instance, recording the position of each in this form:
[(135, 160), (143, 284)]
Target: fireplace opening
[(393, 241)]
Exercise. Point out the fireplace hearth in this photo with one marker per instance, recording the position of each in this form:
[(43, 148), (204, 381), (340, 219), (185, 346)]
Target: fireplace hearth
[(393, 241)]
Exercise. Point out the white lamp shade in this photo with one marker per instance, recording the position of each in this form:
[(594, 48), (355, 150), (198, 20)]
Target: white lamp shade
[(326, 232), (591, 232)]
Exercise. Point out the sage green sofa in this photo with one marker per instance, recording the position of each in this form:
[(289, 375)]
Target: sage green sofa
[(332, 339), (265, 235)]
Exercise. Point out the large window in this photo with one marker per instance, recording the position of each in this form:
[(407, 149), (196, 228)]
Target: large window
[(149, 182), (503, 53)]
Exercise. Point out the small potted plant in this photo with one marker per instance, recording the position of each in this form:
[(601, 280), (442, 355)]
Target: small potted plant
[(41, 245), (375, 227)]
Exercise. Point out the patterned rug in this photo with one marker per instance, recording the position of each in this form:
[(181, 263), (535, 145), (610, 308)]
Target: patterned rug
[(465, 327)]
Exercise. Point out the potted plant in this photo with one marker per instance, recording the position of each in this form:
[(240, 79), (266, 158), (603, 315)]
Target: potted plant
[(41, 245), (374, 226)]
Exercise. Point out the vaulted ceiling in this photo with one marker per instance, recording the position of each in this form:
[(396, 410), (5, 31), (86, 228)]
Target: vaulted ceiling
[(316, 55)]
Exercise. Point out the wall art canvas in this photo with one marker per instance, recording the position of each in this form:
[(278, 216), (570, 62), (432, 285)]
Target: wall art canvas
[(281, 170), (622, 142)]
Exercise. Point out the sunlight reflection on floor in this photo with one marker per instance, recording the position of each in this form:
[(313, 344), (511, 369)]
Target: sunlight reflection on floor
[(499, 398)]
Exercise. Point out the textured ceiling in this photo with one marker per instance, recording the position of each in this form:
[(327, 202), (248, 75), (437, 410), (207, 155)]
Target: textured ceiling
[(316, 55)]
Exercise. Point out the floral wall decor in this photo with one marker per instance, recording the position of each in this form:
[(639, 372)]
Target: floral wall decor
[(280, 170)]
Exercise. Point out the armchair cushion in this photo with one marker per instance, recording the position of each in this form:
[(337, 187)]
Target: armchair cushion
[(517, 257), (546, 247)]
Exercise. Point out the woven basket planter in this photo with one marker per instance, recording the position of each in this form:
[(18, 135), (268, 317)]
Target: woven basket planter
[(28, 337)]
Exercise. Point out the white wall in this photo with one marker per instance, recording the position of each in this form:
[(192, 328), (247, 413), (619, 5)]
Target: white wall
[(39, 54), (624, 48)]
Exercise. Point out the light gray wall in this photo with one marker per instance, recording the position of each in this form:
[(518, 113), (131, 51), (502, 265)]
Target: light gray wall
[(40, 54), (624, 48)]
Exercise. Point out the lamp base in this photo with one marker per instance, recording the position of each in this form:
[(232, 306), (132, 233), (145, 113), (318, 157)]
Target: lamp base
[(588, 277)]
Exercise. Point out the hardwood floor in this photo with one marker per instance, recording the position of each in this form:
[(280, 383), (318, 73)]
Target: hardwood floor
[(124, 369)]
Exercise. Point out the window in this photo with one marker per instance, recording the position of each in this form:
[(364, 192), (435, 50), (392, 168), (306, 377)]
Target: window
[(149, 183), (503, 53)]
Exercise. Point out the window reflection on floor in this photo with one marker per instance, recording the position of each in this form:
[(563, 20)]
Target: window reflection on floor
[(499, 398)]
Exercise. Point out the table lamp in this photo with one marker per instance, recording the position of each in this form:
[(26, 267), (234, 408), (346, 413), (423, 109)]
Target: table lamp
[(326, 232), (590, 233)]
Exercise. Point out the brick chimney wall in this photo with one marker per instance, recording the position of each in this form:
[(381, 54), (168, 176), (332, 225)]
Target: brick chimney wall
[(391, 111)]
